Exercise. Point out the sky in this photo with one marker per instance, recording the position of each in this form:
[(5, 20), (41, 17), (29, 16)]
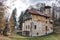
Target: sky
[(22, 5), (34, 1)]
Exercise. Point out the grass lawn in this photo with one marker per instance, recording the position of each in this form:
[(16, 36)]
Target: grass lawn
[(48, 37)]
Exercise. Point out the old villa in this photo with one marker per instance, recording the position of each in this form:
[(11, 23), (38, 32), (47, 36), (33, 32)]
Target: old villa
[(37, 22)]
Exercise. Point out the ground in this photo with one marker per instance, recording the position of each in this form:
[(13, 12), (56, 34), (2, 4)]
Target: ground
[(17, 37)]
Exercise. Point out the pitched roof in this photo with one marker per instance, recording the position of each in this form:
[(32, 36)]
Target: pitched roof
[(36, 12)]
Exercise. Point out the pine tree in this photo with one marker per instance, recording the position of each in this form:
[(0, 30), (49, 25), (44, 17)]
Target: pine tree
[(24, 16), (21, 20), (14, 15)]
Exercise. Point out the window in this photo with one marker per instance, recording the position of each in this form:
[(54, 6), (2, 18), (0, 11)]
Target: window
[(51, 22), (37, 33), (35, 27), (47, 28), (28, 26), (46, 21)]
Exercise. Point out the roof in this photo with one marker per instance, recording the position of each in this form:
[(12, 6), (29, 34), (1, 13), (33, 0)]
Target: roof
[(36, 12)]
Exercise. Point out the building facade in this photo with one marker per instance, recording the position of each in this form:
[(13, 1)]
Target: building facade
[(38, 24)]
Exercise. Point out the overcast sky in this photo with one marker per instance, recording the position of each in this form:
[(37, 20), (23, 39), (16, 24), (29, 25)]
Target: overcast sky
[(24, 4)]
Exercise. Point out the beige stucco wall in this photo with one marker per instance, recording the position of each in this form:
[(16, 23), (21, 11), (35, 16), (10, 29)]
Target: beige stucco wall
[(40, 23), (36, 18), (39, 29), (26, 23)]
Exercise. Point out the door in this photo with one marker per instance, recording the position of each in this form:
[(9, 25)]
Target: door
[(27, 33)]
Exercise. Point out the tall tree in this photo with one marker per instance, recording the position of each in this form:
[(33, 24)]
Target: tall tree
[(21, 20), (24, 16), (14, 16), (6, 29)]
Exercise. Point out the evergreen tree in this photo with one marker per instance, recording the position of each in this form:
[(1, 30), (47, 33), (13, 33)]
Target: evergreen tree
[(14, 15), (21, 20), (7, 28), (24, 16)]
